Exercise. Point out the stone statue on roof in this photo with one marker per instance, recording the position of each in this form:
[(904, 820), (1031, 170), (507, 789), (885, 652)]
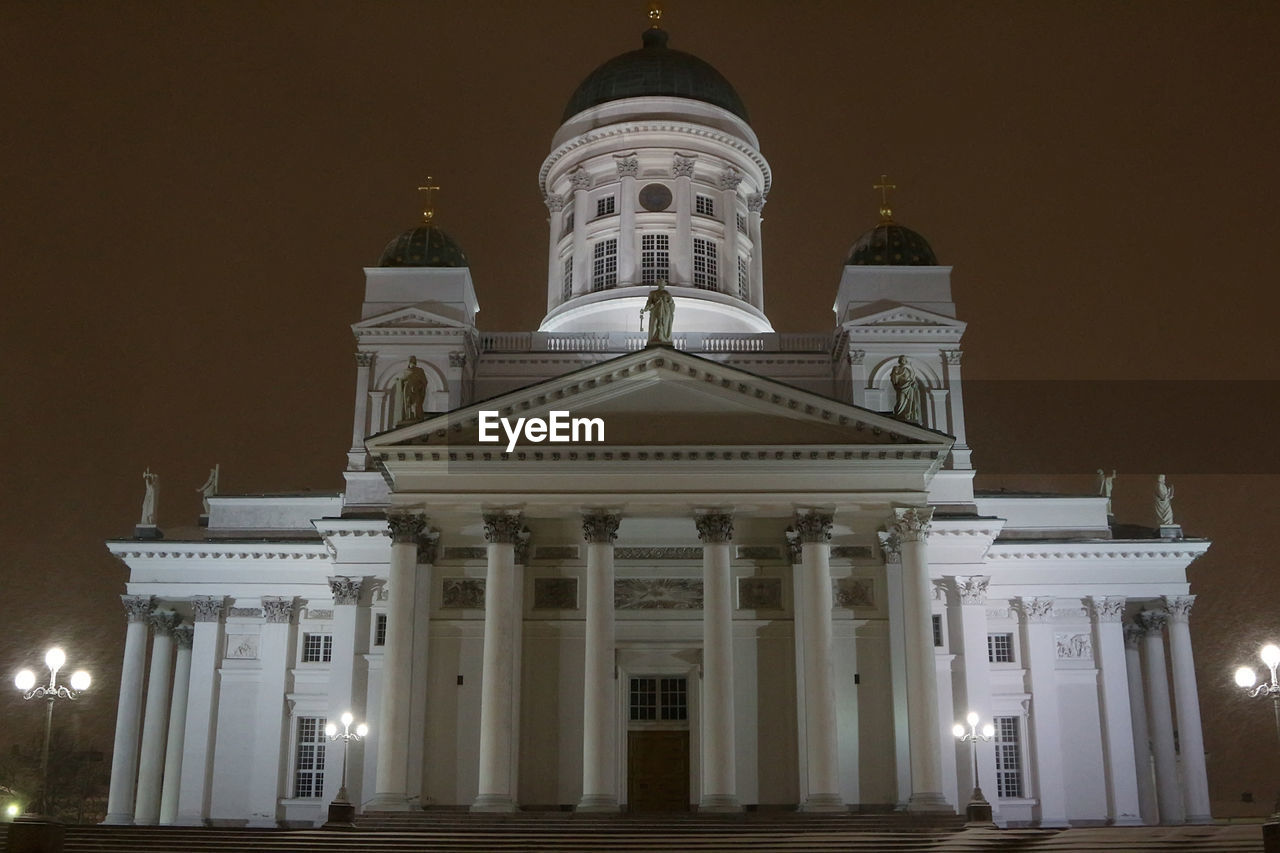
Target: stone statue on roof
[(661, 309)]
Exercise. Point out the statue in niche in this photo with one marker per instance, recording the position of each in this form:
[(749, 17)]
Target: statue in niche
[(1164, 502), (411, 393), (906, 407), (209, 489), (1105, 484), (661, 308), (152, 482)]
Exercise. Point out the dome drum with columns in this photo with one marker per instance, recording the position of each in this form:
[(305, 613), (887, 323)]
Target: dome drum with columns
[(774, 565)]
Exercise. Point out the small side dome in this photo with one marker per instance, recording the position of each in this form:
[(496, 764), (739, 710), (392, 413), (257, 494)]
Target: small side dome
[(423, 245), (891, 244)]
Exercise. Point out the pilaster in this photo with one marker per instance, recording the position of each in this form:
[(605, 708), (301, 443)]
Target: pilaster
[(1045, 723), (346, 600), (1123, 801), (202, 715), (270, 736), (969, 611)]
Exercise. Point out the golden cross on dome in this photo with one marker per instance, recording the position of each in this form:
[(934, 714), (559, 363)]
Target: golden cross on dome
[(428, 205), (655, 15), (886, 212)]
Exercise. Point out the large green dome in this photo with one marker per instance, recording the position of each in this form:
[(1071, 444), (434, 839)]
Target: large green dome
[(423, 246), (891, 245), (655, 69)]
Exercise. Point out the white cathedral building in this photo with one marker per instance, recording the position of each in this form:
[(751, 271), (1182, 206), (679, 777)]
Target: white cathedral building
[(771, 585)]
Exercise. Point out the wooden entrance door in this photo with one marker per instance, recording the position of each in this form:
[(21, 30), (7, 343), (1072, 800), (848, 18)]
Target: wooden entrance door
[(658, 771)]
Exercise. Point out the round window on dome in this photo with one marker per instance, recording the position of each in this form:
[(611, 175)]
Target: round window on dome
[(655, 197)]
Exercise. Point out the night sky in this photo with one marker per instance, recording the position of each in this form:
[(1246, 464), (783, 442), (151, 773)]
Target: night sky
[(190, 191)]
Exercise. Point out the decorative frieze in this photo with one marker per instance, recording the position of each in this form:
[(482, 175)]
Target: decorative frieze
[(207, 608), (184, 635), (853, 592), (465, 552), (428, 547), (245, 612), (1107, 608), (164, 621), (503, 527), (406, 527), (657, 553), (813, 526), (1178, 607), (1074, 646), (277, 610), (556, 552), (972, 589), (682, 166), (1038, 609), (137, 608), (760, 593), (714, 527), (657, 594), (241, 647), (759, 552), (462, 594), (312, 613), (850, 552), (345, 590), (911, 523), (601, 527), (555, 593)]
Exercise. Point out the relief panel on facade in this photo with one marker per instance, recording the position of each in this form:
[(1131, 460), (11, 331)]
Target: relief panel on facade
[(1074, 646), (242, 647), (657, 594), (853, 592), (759, 593), (462, 594), (555, 593)]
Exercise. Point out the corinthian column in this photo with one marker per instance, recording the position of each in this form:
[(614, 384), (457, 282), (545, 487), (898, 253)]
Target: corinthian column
[(202, 697), (628, 169), (124, 754), (391, 792), (682, 244), (146, 810), (755, 205), (270, 737), (581, 180), (600, 707), (177, 726), (1190, 737), (910, 529), (360, 423), (1046, 727), (1133, 635), (1160, 718), (1124, 804), (970, 613), (817, 677), (346, 599), (719, 772), (497, 714)]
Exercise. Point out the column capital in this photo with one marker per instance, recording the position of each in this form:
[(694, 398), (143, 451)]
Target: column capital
[(813, 525), (911, 523), (277, 609), (1178, 607), (856, 356), (1039, 609), (1107, 608), (600, 526), (207, 608), (730, 178), (971, 589), (795, 549), (183, 635), (714, 526), (628, 165), (682, 165), (1152, 621), (554, 202), (523, 546), (428, 547), (503, 526), (951, 356), (346, 590), (1133, 634), (581, 179), (755, 202), (406, 527), (137, 608), (164, 621), (365, 359)]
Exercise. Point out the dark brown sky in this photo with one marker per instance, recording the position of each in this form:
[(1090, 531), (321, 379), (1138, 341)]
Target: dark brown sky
[(190, 192)]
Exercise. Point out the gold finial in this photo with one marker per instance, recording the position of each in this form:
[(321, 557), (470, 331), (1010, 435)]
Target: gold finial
[(655, 16), (886, 212), (428, 204)]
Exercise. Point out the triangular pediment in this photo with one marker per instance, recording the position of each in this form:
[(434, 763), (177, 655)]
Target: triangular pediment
[(661, 397), (411, 317), (882, 314)]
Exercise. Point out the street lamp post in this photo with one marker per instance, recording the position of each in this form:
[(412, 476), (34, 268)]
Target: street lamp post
[(1247, 680), (342, 812), (978, 810)]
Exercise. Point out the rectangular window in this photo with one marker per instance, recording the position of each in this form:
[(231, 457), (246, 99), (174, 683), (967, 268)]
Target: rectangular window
[(605, 206), (1008, 744), (380, 629), (604, 265), (317, 648), (568, 223), (1000, 648), (308, 758), (568, 278), (655, 699), (655, 258), (705, 274), (937, 630), (744, 279), (742, 223), (704, 205)]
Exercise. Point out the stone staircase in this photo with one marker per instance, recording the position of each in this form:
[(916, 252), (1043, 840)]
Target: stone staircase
[(558, 831)]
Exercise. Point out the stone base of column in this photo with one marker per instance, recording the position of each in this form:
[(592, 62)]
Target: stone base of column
[(118, 819), (823, 803), (35, 834), (1128, 820), (492, 804), (1199, 818), (928, 801), (263, 823), (598, 804), (388, 803), (189, 820), (720, 804)]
